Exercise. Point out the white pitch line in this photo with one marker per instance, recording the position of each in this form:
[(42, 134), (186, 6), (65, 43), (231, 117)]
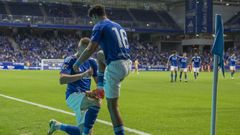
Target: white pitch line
[(69, 113)]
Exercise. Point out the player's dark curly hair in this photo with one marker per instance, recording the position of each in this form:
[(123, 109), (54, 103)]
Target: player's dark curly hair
[(97, 10)]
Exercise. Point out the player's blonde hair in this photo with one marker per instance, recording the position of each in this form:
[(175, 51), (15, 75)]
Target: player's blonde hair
[(84, 42)]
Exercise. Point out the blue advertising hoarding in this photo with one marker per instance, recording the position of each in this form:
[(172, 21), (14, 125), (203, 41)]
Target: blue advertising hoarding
[(11, 65)]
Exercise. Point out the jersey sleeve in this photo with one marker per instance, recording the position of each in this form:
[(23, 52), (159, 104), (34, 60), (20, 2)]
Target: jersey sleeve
[(169, 59), (180, 59), (96, 34), (94, 66), (66, 67)]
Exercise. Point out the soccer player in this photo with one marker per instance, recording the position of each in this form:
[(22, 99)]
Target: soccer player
[(196, 64), (84, 103), (232, 64), (173, 62), (136, 63), (112, 39), (183, 66)]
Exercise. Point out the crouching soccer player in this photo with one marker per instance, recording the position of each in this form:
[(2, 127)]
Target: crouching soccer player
[(173, 62), (183, 66), (232, 64), (84, 103)]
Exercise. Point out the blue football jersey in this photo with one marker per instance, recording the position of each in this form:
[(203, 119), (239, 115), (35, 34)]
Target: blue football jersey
[(183, 62), (112, 38), (173, 60), (83, 84), (232, 60), (196, 61)]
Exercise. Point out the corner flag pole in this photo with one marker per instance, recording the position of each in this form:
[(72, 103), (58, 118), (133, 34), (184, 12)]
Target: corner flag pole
[(217, 50), (214, 95)]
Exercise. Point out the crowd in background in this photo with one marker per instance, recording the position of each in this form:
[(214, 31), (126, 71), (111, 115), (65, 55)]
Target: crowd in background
[(32, 48), (7, 52)]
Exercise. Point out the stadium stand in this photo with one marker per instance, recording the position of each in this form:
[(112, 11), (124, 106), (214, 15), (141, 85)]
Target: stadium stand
[(34, 47), (58, 10), (80, 9), (234, 21), (2, 8), (119, 14), (76, 13), (145, 15), (7, 53), (22, 8)]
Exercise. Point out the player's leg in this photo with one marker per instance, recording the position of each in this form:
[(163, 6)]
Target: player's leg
[(233, 72), (181, 75), (175, 71), (117, 122), (195, 73), (101, 68), (74, 102), (114, 74), (70, 129), (198, 70), (92, 106), (232, 68), (171, 69), (137, 69), (185, 74), (209, 68)]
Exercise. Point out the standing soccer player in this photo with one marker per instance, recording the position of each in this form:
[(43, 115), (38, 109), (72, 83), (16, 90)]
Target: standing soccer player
[(183, 66), (84, 103), (173, 62), (196, 64), (136, 64), (232, 64), (112, 39)]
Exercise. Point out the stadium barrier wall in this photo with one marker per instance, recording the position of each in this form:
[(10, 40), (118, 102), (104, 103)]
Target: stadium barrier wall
[(83, 27), (21, 66)]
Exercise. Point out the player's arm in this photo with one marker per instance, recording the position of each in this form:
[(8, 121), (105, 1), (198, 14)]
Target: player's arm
[(168, 61), (94, 67), (227, 61), (66, 78), (92, 47), (192, 61)]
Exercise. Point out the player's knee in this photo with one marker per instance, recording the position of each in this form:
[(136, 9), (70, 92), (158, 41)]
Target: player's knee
[(96, 102)]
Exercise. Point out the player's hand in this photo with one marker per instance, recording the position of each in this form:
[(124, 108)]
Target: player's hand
[(97, 94), (76, 68), (88, 73)]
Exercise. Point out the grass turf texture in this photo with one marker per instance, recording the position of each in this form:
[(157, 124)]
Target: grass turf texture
[(148, 102)]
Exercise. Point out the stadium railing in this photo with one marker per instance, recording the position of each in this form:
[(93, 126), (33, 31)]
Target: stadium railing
[(34, 20)]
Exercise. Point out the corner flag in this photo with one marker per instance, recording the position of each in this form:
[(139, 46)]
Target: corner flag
[(218, 45), (217, 50)]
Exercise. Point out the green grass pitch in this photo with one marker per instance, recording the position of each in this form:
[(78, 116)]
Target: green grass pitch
[(148, 102)]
